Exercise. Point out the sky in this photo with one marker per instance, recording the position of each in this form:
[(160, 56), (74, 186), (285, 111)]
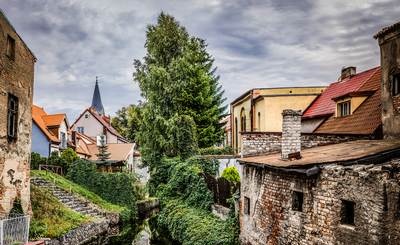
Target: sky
[(255, 43)]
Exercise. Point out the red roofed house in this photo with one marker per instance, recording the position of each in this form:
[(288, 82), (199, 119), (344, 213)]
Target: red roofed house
[(94, 123), (350, 106), (49, 131)]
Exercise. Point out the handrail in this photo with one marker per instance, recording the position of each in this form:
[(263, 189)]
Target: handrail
[(52, 168)]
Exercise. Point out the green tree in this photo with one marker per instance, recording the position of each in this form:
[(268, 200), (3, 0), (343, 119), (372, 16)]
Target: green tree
[(176, 77), (103, 154), (69, 156), (231, 174), (127, 121)]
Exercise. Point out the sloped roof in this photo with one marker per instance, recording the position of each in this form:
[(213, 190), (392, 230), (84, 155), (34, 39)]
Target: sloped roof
[(54, 119), (103, 121), (352, 151), (366, 118), (37, 116), (325, 106), (119, 152)]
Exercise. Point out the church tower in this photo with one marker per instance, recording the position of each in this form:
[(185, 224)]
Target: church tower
[(97, 105)]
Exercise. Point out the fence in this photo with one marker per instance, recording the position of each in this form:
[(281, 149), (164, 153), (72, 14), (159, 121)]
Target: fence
[(14, 230), (52, 168)]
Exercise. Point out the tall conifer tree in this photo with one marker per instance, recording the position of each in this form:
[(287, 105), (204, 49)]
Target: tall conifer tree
[(177, 78)]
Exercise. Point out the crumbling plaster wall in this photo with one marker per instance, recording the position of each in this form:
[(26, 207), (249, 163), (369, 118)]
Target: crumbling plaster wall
[(374, 189), (16, 77)]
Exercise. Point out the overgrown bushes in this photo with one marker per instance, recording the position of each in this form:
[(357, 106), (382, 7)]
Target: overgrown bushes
[(231, 174), (117, 188), (64, 160)]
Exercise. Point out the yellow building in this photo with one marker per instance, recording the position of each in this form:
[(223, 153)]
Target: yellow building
[(260, 109)]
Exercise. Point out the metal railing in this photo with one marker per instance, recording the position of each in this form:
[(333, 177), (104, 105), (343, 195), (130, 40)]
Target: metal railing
[(52, 168), (14, 230)]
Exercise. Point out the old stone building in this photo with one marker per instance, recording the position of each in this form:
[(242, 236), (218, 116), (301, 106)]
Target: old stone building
[(344, 193), (16, 92)]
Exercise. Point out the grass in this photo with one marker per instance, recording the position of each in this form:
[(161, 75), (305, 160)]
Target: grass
[(50, 217), (70, 186)]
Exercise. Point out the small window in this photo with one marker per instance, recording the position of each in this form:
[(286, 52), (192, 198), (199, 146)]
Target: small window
[(297, 201), (246, 205), (396, 84), (12, 118), (81, 130), (10, 47), (347, 212), (86, 115), (259, 121), (343, 109)]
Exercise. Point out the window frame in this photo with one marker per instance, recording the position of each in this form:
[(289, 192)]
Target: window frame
[(395, 85), (348, 207), (63, 140), (297, 201), (10, 52), (80, 130), (12, 115), (341, 106), (246, 205)]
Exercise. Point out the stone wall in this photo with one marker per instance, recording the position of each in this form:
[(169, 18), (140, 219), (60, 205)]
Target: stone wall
[(389, 42), (273, 219), (16, 78), (259, 143)]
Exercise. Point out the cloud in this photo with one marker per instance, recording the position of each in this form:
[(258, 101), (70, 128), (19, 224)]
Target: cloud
[(255, 43)]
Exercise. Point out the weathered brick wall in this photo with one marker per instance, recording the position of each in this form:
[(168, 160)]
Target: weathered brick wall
[(259, 143), (272, 220), (16, 77), (291, 131)]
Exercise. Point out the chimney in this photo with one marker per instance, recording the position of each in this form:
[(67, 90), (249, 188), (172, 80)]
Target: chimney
[(347, 72), (291, 133)]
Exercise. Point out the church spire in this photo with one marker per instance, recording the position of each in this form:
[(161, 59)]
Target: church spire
[(96, 101)]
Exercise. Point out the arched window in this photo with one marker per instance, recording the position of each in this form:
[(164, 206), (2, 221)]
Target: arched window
[(242, 120), (236, 133), (259, 121)]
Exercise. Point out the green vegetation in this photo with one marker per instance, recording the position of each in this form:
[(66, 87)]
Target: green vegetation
[(50, 217), (177, 78), (231, 174), (70, 186), (193, 226), (64, 160), (103, 154), (127, 121), (213, 150), (118, 188)]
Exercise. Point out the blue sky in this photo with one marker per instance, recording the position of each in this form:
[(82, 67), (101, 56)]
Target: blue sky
[(254, 43)]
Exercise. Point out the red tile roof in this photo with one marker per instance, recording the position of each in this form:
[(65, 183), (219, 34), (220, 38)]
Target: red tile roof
[(37, 116), (366, 119), (325, 106)]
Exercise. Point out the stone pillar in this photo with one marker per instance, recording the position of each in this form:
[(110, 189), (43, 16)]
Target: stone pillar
[(291, 133)]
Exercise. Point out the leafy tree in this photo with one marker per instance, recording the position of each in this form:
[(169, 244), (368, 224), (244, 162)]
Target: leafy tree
[(127, 121), (69, 156), (37, 160), (176, 77), (103, 154), (231, 174)]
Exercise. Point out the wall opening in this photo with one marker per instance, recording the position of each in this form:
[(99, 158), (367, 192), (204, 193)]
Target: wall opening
[(347, 212), (246, 205), (297, 201), (395, 85)]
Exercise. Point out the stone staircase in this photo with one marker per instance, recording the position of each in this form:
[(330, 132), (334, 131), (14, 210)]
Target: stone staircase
[(70, 200)]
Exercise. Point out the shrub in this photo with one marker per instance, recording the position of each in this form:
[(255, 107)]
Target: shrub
[(37, 160), (231, 174), (117, 188)]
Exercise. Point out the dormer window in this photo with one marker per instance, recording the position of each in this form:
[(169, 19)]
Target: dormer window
[(396, 84), (344, 108)]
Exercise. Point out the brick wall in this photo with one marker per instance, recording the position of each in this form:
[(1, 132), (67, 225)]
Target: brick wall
[(373, 189), (291, 131), (16, 77), (259, 143)]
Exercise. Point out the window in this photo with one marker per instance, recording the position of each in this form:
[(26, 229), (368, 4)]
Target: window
[(63, 143), (395, 84), (81, 130), (297, 201), (347, 212), (86, 115), (12, 118), (246, 205), (259, 121), (10, 47), (343, 109)]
